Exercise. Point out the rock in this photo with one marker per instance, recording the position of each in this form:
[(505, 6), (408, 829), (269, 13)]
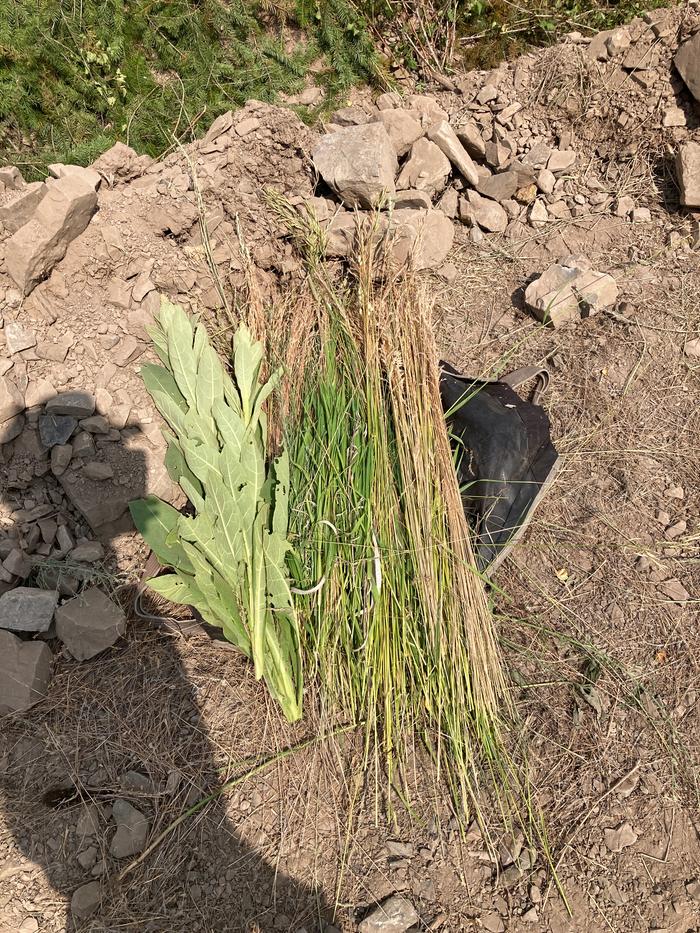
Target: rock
[(641, 215), (11, 429), (11, 400), (692, 347), (16, 212), (25, 672), (687, 62), (61, 456), (63, 214), (349, 116), (546, 181), (38, 393), (561, 160), (641, 57), (132, 830), (498, 155), (412, 198), (487, 213), (531, 915), (11, 177), (674, 590), (88, 175), (688, 170), (395, 915), (493, 922), (359, 163), (340, 234), (674, 116), (88, 552), (127, 351), (427, 106), (618, 41), (83, 445), (488, 93), (248, 126), (17, 564), (388, 101), (403, 129), (419, 239), (87, 858), (618, 839), (77, 404), (98, 471), (499, 187), (446, 139), (568, 291), (18, 337), (426, 169), (86, 899), (623, 206), (676, 529), (449, 203), (538, 214), (56, 429), (95, 424), (89, 623), (89, 822), (27, 609), (470, 137)]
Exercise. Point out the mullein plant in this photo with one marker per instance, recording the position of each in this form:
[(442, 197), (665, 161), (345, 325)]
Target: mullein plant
[(228, 560)]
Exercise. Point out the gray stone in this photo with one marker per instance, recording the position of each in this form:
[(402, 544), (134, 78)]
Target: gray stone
[(27, 609), (487, 213), (61, 456), (16, 212), (33, 251), (687, 62), (419, 239), (359, 163), (56, 429), (470, 137), (561, 160), (25, 672), (395, 915), (568, 291), (402, 127), (500, 187), (86, 899), (18, 337), (89, 623), (446, 139), (96, 424), (88, 552), (412, 198), (132, 830), (426, 169), (78, 404), (88, 175), (11, 400), (688, 170), (11, 177), (17, 564), (11, 429)]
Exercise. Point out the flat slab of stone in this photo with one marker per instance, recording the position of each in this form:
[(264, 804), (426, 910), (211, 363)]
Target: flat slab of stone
[(56, 429), (65, 211), (568, 291), (27, 609), (77, 404), (687, 62), (132, 830), (395, 915), (403, 128), (359, 163), (89, 623), (25, 672), (11, 400), (426, 169), (446, 139), (16, 211)]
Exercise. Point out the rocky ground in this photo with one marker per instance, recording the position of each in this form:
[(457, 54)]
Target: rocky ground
[(559, 189)]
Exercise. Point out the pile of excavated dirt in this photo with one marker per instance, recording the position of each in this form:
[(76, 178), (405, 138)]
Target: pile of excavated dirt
[(563, 188)]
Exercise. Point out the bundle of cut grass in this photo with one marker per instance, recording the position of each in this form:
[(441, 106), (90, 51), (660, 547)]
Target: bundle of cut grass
[(398, 627)]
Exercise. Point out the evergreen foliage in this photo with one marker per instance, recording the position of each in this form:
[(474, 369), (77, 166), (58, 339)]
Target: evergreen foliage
[(75, 77)]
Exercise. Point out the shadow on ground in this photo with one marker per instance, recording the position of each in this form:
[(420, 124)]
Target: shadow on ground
[(125, 725)]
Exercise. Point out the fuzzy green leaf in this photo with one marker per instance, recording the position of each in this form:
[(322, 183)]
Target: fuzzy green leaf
[(156, 520)]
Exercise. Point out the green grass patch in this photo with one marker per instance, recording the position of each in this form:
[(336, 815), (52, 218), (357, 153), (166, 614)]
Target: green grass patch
[(74, 78)]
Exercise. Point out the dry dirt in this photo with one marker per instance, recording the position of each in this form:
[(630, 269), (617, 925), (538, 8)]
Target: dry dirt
[(605, 668)]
